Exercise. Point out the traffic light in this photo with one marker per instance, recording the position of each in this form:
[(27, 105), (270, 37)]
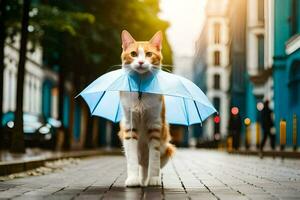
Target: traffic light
[(217, 119), (217, 127)]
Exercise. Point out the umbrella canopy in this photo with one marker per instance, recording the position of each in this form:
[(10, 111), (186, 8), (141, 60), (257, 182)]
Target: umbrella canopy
[(185, 103)]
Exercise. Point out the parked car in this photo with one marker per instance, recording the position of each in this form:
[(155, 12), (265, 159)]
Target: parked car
[(37, 131)]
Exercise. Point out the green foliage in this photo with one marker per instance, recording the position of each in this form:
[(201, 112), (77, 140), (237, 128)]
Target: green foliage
[(50, 17), (83, 37), (44, 17), (138, 17)]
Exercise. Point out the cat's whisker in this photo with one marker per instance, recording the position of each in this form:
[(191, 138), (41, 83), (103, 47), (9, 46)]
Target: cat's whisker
[(118, 66), (166, 65), (167, 70)]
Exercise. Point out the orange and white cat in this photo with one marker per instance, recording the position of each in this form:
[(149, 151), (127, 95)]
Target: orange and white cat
[(143, 130)]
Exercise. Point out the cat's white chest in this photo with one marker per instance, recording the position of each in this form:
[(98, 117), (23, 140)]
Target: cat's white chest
[(140, 102)]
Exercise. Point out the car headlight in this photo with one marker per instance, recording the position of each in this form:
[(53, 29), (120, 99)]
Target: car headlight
[(10, 124), (48, 137), (44, 130)]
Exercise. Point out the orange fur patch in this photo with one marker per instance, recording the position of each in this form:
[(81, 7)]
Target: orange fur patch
[(170, 150)]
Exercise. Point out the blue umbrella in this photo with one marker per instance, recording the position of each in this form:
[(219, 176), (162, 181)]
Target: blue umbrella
[(185, 103)]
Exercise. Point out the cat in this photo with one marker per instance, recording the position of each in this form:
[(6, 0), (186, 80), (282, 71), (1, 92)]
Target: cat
[(143, 130)]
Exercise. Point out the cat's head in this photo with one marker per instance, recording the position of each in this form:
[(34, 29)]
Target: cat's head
[(142, 56)]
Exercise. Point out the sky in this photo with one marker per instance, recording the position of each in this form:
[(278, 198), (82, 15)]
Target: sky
[(186, 19)]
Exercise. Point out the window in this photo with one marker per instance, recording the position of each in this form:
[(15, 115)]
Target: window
[(260, 10), (217, 81), (294, 18), (216, 102), (217, 58), (217, 29), (260, 52), (294, 84)]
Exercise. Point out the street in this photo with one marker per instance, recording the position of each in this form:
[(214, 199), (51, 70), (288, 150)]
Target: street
[(192, 174)]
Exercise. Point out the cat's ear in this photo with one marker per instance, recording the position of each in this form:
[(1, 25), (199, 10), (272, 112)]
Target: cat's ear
[(127, 39), (156, 40)]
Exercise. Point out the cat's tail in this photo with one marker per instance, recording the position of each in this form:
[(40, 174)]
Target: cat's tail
[(170, 150), (167, 154)]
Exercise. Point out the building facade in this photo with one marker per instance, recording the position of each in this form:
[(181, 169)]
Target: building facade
[(34, 82), (259, 57), (212, 61), (286, 66)]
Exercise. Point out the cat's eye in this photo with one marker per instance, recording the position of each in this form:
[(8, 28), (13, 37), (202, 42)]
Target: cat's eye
[(133, 54), (149, 54)]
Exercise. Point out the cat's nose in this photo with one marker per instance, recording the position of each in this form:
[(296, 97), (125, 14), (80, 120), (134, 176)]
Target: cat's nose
[(141, 62)]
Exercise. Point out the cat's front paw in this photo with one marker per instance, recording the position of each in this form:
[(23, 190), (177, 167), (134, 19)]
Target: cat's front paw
[(154, 181), (132, 181)]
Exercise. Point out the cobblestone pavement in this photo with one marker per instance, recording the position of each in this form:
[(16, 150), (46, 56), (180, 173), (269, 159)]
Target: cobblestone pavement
[(192, 174)]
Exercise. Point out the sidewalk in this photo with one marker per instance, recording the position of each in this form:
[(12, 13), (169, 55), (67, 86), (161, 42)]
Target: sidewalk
[(33, 158), (190, 174)]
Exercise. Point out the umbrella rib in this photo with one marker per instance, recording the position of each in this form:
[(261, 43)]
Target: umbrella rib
[(186, 114), (198, 112), (117, 112), (98, 102), (101, 90), (187, 90), (129, 84), (192, 95)]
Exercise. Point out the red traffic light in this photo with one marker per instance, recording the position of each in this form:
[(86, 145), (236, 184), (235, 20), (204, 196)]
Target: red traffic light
[(217, 119)]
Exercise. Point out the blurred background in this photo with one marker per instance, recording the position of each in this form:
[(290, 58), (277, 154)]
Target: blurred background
[(244, 54)]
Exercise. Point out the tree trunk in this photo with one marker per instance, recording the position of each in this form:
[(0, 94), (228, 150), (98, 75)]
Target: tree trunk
[(61, 94), (89, 132), (18, 135), (2, 44)]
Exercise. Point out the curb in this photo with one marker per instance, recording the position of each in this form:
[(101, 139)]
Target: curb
[(11, 167), (280, 154)]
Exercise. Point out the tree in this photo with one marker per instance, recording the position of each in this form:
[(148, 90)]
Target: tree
[(18, 133), (2, 43), (40, 18)]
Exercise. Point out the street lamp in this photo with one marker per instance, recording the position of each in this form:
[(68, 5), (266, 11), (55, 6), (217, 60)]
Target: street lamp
[(234, 110), (260, 106)]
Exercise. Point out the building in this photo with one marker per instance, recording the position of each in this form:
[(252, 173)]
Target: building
[(36, 92), (212, 66), (237, 43), (286, 66), (259, 42), (263, 60)]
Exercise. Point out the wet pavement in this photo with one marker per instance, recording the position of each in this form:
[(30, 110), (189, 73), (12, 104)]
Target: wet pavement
[(192, 174)]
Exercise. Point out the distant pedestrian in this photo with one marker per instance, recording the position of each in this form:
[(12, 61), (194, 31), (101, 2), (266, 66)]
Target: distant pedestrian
[(267, 126), (235, 127)]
